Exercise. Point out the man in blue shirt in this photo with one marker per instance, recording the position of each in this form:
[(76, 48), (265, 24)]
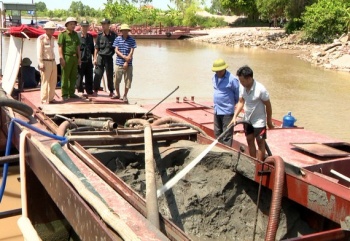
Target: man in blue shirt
[(124, 48), (226, 95)]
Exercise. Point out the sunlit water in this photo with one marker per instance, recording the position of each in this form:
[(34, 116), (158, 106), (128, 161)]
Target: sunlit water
[(316, 97)]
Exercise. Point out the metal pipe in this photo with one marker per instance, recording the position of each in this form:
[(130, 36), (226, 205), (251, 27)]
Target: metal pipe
[(338, 174), (108, 125), (276, 200), (151, 187), (9, 159)]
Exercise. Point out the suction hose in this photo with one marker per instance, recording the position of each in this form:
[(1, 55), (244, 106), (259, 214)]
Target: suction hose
[(151, 187), (276, 199), (17, 106), (63, 140), (108, 125)]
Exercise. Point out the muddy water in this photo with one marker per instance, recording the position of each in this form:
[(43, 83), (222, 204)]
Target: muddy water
[(317, 98), (10, 201)]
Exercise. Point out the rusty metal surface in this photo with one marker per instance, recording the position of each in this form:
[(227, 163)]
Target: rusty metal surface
[(329, 235), (72, 206), (132, 138), (167, 227), (320, 149)]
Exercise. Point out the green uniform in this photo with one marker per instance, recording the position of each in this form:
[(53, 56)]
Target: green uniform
[(69, 43)]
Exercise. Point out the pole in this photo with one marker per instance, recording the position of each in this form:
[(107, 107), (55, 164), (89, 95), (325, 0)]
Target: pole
[(145, 115)]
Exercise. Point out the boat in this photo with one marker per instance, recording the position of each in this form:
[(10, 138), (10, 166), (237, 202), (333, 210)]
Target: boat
[(90, 162), (30, 31)]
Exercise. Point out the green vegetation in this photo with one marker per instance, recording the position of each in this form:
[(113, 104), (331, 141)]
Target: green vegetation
[(325, 20), (134, 13), (320, 20)]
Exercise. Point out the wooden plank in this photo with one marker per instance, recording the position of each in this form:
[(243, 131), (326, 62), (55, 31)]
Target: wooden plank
[(320, 149), (86, 108)]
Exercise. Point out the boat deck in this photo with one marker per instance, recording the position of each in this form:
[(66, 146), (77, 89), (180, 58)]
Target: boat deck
[(280, 140)]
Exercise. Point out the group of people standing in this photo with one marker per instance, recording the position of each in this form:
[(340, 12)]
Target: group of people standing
[(231, 95), (81, 57)]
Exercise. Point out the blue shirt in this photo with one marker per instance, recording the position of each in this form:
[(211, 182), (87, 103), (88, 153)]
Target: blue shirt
[(226, 94), (124, 46)]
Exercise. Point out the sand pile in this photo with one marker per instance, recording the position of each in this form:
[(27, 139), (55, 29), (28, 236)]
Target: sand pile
[(212, 202)]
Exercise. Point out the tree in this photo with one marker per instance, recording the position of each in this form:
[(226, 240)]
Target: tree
[(40, 7), (325, 20), (242, 7), (271, 8)]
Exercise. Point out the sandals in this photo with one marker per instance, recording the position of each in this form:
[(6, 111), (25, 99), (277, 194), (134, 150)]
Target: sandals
[(114, 97)]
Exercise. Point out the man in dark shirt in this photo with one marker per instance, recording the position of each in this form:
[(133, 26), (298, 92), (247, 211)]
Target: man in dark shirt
[(86, 67), (103, 57), (28, 76)]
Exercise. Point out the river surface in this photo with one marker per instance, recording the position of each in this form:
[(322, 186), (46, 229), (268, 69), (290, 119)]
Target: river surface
[(317, 98)]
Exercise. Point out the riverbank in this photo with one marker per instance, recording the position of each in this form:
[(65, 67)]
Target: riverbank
[(335, 56)]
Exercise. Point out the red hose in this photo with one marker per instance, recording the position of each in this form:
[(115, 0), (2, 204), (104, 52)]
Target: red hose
[(276, 199)]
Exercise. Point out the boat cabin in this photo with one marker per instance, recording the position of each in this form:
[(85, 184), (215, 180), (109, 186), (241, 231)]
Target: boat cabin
[(12, 13)]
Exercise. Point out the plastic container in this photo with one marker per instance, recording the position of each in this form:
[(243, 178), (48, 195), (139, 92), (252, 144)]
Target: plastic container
[(288, 120)]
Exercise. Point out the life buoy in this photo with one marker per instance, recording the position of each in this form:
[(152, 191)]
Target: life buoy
[(139, 31), (168, 34), (133, 31)]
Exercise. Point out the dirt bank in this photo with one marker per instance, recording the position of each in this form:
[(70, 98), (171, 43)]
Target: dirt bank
[(212, 202), (330, 56)]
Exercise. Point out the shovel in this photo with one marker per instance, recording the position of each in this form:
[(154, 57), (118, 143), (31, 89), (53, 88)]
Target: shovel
[(192, 164)]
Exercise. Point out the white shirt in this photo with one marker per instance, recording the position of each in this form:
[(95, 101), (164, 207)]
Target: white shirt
[(254, 108)]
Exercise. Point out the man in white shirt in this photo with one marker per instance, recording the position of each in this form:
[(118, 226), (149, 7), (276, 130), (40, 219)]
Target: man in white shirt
[(255, 100)]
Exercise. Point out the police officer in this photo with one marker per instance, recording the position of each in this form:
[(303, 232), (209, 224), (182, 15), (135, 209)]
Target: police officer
[(69, 51), (47, 63), (86, 67), (103, 57)]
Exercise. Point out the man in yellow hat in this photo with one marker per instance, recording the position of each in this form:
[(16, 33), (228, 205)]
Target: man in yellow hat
[(124, 48), (226, 94), (103, 57), (70, 58), (47, 63)]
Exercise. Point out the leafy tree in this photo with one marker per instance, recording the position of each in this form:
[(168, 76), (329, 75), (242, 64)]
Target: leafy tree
[(325, 20), (240, 7), (271, 8), (40, 7)]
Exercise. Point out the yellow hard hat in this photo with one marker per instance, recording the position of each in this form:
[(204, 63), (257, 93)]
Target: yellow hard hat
[(124, 27), (219, 65)]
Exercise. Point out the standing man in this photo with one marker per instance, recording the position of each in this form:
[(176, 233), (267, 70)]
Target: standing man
[(257, 110), (124, 48), (226, 93), (70, 58), (47, 63), (103, 57), (86, 67)]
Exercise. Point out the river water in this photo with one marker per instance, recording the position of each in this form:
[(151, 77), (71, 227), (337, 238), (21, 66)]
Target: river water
[(316, 97)]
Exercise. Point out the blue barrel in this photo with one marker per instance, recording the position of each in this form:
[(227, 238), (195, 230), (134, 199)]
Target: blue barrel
[(288, 120)]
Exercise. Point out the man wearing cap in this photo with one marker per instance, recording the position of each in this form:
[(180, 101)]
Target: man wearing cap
[(28, 76), (103, 57), (69, 51), (226, 95), (86, 67), (124, 48), (47, 63)]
